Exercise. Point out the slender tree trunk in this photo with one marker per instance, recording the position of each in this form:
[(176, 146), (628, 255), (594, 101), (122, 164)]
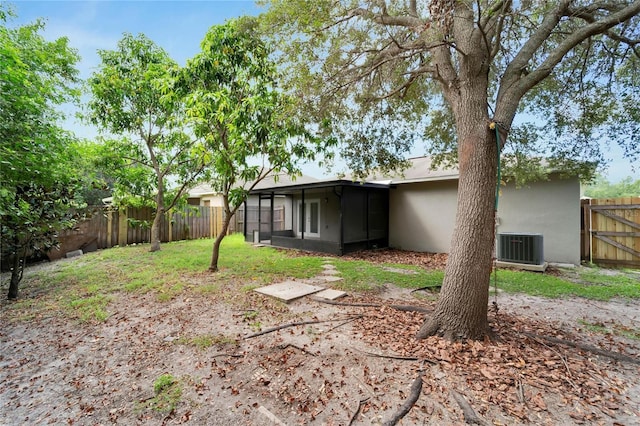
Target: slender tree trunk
[(213, 267), (155, 230), (16, 271), (157, 220)]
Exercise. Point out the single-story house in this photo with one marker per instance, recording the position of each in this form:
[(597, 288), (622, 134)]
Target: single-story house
[(204, 195), (247, 217), (414, 211), (331, 216)]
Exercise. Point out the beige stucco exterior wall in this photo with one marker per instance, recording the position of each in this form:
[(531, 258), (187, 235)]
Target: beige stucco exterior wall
[(214, 200), (550, 208), (422, 216)]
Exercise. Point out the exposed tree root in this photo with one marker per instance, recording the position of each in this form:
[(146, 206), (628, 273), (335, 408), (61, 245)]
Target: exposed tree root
[(437, 326), (405, 308), (227, 355), (429, 287), (470, 416), (290, 345), (399, 358), (416, 388), (357, 413), (597, 351), (430, 328)]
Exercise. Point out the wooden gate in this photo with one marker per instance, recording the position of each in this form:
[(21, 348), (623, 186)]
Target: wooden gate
[(615, 231)]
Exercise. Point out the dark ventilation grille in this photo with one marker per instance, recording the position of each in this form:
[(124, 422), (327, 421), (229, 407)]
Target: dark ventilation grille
[(520, 248)]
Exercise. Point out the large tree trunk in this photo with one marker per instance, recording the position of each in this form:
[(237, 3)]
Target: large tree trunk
[(461, 310)]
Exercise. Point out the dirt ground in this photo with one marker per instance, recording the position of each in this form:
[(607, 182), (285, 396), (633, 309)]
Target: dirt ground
[(355, 365)]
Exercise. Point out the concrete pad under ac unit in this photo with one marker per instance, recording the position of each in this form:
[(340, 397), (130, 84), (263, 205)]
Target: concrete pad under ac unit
[(523, 266)]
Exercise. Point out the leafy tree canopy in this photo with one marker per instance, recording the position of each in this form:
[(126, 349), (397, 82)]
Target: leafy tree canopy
[(456, 73), (153, 148), (39, 183), (233, 103), (369, 68), (602, 188)]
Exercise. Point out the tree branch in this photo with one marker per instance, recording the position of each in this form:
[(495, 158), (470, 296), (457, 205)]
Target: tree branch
[(516, 83), (385, 19), (583, 33)]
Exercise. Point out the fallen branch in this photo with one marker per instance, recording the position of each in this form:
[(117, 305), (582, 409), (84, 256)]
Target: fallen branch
[(228, 355), (293, 324), (290, 345), (416, 388), (597, 351), (405, 308), (568, 378), (355, 415), (520, 391), (400, 358), (470, 416), (345, 322), (333, 302), (411, 308), (168, 416)]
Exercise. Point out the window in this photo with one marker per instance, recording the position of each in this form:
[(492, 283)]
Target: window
[(309, 218)]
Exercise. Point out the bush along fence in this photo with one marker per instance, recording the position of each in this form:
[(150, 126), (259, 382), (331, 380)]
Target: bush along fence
[(106, 227)]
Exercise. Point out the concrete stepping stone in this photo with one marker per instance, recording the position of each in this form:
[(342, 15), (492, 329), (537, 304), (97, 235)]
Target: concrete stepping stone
[(330, 272), (329, 266), (400, 271), (330, 294), (288, 290), (326, 278)]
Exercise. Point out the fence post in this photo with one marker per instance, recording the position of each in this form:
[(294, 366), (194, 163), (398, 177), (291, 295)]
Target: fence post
[(109, 227), (211, 220), (123, 227), (169, 217)]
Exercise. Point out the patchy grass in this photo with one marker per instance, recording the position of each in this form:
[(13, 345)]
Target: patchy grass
[(84, 286), (92, 308), (205, 341), (590, 284), (168, 392), (360, 275), (615, 329)]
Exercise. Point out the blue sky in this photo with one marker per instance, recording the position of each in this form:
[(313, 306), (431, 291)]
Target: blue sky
[(176, 26)]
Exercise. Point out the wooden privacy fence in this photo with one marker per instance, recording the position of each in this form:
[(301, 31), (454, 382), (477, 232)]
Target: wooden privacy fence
[(106, 227), (611, 231)]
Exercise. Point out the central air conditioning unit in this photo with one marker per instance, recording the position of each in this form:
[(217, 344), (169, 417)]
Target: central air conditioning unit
[(520, 248)]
